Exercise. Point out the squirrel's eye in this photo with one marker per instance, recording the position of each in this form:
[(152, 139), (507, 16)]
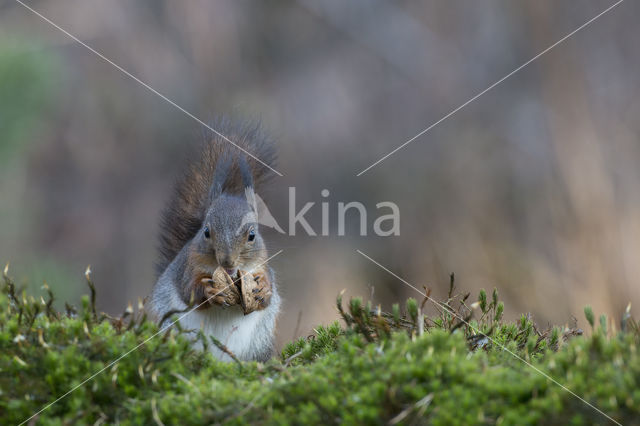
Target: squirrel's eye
[(252, 235), (207, 234)]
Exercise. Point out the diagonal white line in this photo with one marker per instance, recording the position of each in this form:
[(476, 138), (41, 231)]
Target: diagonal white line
[(145, 85), (445, 307), (590, 21), (137, 347)]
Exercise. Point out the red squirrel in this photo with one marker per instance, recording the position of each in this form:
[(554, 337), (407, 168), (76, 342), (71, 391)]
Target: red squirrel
[(210, 222)]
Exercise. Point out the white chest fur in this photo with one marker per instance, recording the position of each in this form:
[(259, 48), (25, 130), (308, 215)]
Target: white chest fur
[(238, 332)]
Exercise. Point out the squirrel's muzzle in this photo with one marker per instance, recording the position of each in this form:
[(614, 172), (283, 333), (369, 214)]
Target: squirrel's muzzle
[(228, 264)]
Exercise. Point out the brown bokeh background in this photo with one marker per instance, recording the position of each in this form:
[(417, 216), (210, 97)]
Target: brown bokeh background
[(532, 188)]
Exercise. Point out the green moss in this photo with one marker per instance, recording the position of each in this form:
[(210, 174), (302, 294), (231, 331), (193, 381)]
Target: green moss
[(377, 368)]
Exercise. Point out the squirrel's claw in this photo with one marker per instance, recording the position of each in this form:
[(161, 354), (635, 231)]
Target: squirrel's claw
[(255, 291)]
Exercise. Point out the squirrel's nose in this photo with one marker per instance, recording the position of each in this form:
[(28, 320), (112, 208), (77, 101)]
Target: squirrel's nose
[(229, 267), (228, 264)]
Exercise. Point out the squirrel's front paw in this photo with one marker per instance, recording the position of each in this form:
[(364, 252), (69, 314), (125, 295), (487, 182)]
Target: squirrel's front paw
[(255, 291), (220, 289)]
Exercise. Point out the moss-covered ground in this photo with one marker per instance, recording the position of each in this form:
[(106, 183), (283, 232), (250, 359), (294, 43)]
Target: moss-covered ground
[(373, 367)]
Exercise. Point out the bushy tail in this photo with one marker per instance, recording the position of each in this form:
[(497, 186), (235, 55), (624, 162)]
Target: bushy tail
[(185, 211)]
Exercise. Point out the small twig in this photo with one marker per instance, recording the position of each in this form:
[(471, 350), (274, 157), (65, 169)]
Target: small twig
[(184, 379), (427, 292), (347, 318), (292, 357), (452, 282), (225, 349), (172, 312), (154, 412), (11, 288), (92, 288), (422, 405)]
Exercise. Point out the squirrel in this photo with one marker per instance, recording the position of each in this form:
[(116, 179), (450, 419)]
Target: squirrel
[(210, 222)]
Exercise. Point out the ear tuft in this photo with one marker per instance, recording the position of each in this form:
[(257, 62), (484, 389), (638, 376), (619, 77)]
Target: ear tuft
[(220, 176), (245, 172), (251, 199)]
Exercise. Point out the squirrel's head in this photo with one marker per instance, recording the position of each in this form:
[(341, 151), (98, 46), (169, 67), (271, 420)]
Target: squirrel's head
[(229, 231)]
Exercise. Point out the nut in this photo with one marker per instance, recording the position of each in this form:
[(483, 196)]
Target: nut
[(221, 289), (252, 291)]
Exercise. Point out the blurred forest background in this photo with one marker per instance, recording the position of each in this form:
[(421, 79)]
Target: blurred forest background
[(533, 188)]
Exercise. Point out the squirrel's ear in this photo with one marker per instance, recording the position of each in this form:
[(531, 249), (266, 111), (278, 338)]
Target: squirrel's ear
[(220, 177), (247, 181), (245, 172), (251, 198)]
